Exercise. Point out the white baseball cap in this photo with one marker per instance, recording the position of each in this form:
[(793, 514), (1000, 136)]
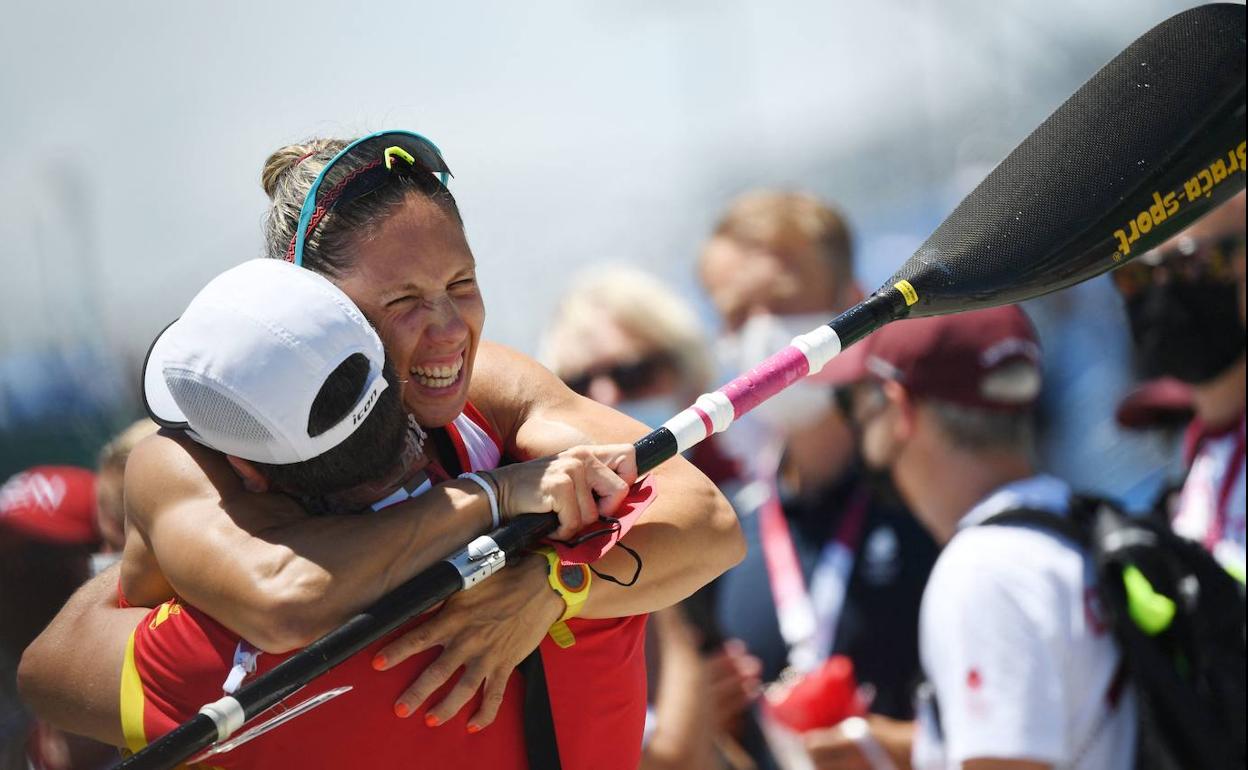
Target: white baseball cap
[(240, 369)]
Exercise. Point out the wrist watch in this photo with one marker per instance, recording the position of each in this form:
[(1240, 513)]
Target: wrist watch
[(571, 582)]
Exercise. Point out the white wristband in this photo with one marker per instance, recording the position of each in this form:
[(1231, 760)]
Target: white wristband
[(495, 516)]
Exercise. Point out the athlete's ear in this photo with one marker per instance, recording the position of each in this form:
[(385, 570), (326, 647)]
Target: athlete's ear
[(253, 479), (904, 424)]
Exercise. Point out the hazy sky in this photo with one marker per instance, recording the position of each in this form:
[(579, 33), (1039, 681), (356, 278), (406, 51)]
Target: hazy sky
[(132, 136), (133, 133)]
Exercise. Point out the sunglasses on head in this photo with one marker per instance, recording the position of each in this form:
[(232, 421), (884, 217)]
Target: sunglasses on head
[(1188, 260), (631, 377), (385, 153)]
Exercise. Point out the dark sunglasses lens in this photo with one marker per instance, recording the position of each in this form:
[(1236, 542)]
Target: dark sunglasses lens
[(369, 163), (578, 384), (634, 377), (843, 397)]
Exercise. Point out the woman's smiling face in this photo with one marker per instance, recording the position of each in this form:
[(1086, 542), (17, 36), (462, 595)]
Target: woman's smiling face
[(415, 278)]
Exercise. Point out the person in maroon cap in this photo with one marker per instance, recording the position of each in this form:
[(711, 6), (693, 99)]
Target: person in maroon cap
[(1024, 672), (47, 535)]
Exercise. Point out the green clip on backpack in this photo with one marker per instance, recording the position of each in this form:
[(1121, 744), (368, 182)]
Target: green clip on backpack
[(1178, 617)]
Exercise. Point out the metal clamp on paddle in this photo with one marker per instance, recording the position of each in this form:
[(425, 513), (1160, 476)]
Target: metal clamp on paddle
[(478, 560)]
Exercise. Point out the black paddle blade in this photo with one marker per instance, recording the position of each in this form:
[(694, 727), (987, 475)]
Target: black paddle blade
[(1149, 144)]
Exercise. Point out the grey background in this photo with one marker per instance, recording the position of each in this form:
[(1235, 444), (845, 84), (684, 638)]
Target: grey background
[(132, 136)]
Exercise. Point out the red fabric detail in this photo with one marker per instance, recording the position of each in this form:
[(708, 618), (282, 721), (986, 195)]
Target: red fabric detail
[(597, 693), (461, 450), (638, 500), (1229, 480), (1113, 696), (472, 413), (973, 679), (1198, 433), (784, 572), (825, 697), (706, 420), (51, 504)]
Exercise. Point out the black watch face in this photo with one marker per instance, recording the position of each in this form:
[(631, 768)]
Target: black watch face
[(572, 576)]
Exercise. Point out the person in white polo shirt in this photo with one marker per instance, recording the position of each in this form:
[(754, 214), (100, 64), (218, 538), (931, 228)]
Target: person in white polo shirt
[(1022, 671)]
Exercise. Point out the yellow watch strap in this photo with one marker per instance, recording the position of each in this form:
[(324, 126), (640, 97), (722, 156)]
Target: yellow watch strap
[(572, 584)]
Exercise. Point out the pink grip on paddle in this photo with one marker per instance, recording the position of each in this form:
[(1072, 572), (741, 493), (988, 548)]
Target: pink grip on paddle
[(766, 380)]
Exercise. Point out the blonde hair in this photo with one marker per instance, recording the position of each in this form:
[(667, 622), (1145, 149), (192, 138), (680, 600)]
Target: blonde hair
[(789, 221), (643, 307), (115, 453)]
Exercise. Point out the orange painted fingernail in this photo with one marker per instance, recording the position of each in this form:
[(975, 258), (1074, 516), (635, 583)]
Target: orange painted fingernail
[(474, 729), (379, 661), (401, 710), (432, 721)]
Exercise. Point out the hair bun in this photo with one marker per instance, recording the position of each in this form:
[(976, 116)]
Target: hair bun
[(286, 158)]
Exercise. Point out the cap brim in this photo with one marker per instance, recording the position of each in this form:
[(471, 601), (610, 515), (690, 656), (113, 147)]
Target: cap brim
[(1156, 403), (846, 368), (157, 398)]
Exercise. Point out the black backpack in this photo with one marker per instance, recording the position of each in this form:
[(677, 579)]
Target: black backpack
[(1178, 617)]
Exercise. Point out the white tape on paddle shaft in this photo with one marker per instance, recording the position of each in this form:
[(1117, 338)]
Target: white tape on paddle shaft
[(227, 714), (689, 427), (819, 346)]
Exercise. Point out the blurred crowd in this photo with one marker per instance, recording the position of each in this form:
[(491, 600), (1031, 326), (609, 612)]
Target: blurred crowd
[(889, 612)]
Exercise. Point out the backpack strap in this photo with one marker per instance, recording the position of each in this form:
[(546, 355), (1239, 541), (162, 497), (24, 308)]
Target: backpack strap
[(1066, 526)]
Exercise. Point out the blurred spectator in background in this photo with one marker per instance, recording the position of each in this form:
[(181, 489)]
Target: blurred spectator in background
[(835, 565), (47, 535), (110, 472), (1160, 409), (623, 338), (1022, 671), (1185, 301)]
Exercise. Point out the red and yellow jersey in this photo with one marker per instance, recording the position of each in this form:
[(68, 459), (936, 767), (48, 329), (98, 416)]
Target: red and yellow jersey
[(178, 659)]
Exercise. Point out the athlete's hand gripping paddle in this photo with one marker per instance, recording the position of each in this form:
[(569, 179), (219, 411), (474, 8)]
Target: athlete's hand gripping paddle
[(1153, 141)]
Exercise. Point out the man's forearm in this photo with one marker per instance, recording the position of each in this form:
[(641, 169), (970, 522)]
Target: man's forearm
[(70, 675), (289, 584)]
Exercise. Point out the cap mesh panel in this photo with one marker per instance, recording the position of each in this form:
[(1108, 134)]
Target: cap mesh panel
[(204, 406)]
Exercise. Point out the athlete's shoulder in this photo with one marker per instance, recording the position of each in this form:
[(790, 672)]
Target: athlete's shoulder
[(167, 467), (507, 385)]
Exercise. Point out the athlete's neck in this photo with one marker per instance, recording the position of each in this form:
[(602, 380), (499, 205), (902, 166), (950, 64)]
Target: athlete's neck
[(941, 482), (1219, 403)]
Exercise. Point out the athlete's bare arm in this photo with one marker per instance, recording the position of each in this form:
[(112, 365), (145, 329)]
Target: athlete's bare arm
[(260, 565), (71, 674), (690, 534), (257, 563)]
